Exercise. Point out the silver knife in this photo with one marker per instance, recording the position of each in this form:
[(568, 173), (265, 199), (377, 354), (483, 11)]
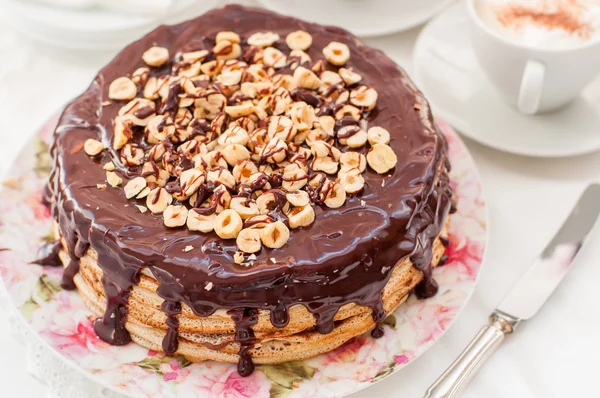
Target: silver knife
[(525, 298)]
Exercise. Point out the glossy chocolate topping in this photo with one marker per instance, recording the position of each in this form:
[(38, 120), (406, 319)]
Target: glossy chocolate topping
[(47, 255), (347, 255)]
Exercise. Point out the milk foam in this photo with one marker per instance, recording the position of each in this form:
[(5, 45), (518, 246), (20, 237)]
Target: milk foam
[(557, 24)]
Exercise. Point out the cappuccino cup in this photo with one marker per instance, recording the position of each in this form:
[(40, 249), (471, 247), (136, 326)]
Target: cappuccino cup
[(538, 54)]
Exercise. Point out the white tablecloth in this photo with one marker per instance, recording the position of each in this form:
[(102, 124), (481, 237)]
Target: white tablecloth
[(553, 355)]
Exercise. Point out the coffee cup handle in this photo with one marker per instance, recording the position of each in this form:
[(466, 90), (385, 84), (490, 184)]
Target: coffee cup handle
[(532, 85)]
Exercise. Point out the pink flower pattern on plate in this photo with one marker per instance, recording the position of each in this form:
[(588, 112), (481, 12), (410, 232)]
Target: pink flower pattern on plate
[(63, 322), (404, 358)]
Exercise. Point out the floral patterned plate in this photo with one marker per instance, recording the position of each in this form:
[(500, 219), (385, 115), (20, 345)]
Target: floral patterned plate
[(63, 323)]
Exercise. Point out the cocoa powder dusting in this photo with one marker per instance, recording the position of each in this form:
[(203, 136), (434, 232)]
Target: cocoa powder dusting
[(564, 15)]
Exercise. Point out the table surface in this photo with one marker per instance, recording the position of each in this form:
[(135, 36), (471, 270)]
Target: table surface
[(553, 355)]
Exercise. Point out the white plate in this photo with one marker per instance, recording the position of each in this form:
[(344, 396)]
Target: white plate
[(81, 21), (446, 70), (365, 18), (90, 29), (74, 43), (59, 323)]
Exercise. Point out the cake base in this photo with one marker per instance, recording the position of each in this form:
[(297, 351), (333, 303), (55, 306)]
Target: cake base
[(213, 337)]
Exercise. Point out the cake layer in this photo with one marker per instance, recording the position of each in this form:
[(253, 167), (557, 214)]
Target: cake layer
[(213, 337)]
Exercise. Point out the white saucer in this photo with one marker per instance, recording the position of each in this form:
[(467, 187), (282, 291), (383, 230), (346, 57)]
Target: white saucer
[(90, 29), (446, 70), (365, 18)]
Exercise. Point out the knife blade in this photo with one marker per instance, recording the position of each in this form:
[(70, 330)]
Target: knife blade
[(538, 283), (526, 297)]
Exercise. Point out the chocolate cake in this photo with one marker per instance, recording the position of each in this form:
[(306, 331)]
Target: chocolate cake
[(248, 187)]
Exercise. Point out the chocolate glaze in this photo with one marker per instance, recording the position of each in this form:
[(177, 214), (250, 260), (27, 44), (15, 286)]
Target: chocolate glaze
[(47, 255), (377, 332), (47, 196), (307, 96), (346, 256), (443, 260), (445, 241), (244, 319), (172, 292)]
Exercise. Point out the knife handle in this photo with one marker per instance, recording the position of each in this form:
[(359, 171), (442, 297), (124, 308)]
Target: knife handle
[(453, 381)]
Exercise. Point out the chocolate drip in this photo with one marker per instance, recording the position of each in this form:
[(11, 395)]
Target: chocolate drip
[(379, 316), (118, 279), (324, 316), (346, 256), (199, 128), (307, 96), (47, 195), (326, 109), (47, 255), (173, 186), (170, 343), (173, 293), (318, 193), (171, 103), (186, 163), (428, 287), (427, 232), (277, 212), (244, 319), (445, 241), (280, 317), (377, 332), (349, 132), (250, 53), (443, 260), (143, 112), (111, 326), (258, 183), (72, 269), (275, 180)]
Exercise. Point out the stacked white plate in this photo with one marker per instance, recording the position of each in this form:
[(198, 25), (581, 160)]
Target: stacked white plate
[(91, 29), (364, 18)]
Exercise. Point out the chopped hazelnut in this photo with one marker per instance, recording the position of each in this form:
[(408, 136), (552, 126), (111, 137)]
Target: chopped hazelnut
[(228, 224), (349, 77), (200, 222), (263, 39), (158, 199), (378, 135), (248, 240), (337, 53), (351, 180), (122, 88), (93, 147), (275, 235), (113, 179), (298, 40), (229, 36), (364, 97), (175, 216), (336, 196), (381, 158), (301, 216), (156, 56), (134, 187)]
